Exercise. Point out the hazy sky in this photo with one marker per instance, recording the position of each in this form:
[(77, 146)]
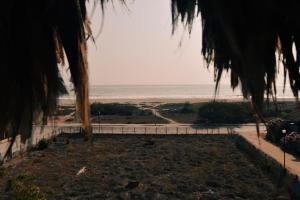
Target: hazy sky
[(136, 47)]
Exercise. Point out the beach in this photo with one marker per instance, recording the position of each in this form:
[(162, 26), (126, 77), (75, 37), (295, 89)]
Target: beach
[(151, 101), (166, 110), (153, 94)]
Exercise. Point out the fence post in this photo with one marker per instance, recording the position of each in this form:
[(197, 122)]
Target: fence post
[(145, 130), (155, 130), (186, 130)]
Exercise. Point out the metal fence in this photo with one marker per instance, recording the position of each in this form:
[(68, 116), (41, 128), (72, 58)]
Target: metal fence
[(180, 130), (47, 132)]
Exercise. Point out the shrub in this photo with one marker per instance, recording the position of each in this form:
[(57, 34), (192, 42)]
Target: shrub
[(20, 190), (223, 112), (2, 173), (145, 113), (274, 130), (291, 143), (43, 144), (113, 109), (187, 108), (275, 127)]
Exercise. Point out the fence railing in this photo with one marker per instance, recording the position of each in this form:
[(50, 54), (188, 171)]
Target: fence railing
[(98, 129), (47, 132)]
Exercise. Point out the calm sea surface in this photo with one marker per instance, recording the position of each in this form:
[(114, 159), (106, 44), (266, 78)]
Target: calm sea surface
[(167, 91)]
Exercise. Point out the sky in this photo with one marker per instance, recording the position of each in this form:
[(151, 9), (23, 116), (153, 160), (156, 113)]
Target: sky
[(136, 47)]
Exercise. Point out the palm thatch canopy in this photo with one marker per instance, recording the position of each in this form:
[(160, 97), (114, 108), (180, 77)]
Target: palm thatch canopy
[(35, 36), (243, 36)]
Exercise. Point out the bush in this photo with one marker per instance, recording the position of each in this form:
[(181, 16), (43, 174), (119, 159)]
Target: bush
[(20, 190), (275, 127), (2, 173), (274, 130), (145, 113), (187, 108), (223, 112), (291, 143), (114, 109), (44, 144)]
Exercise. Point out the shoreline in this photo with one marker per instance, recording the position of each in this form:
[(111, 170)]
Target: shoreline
[(70, 101)]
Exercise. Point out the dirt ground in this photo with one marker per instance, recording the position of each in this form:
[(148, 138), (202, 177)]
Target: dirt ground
[(142, 167)]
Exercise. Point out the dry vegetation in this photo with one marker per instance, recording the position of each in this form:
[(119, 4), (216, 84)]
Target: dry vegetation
[(220, 112), (142, 167), (112, 113)]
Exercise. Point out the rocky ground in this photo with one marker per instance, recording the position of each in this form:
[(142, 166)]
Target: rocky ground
[(140, 167)]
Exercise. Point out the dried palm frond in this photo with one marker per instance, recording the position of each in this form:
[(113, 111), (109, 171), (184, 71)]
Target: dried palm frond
[(34, 37), (238, 35), (243, 36)]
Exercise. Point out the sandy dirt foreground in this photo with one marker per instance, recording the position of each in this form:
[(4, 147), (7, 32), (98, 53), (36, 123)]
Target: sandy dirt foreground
[(143, 167)]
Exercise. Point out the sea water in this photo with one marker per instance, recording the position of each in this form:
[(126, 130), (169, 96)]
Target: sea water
[(168, 92)]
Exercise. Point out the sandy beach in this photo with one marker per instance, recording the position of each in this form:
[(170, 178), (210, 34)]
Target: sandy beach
[(66, 101)]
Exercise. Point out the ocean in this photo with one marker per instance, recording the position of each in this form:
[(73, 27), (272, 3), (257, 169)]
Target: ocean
[(167, 92)]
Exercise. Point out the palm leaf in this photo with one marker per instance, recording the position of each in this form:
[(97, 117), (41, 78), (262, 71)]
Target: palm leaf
[(243, 36), (34, 36)]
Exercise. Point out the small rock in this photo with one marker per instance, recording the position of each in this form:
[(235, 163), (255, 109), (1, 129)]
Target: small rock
[(132, 184), (202, 188), (213, 184), (282, 198), (149, 143), (230, 195), (209, 192), (128, 169), (81, 171)]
